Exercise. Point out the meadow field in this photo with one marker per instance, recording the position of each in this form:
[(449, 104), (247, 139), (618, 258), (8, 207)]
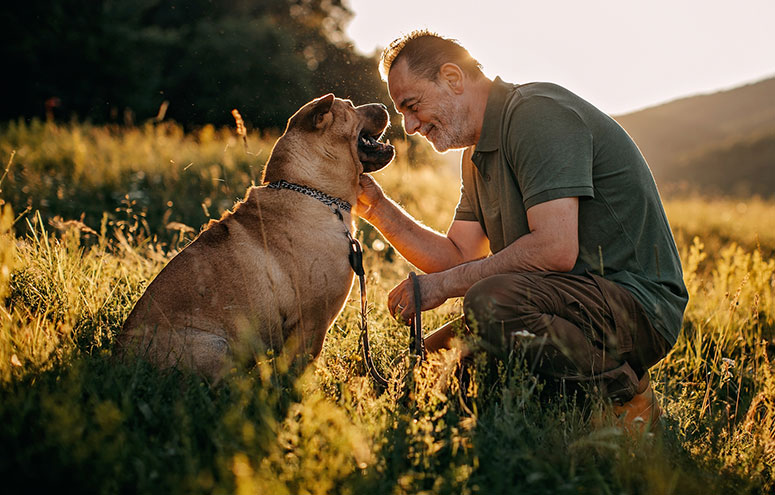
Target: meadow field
[(88, 216)]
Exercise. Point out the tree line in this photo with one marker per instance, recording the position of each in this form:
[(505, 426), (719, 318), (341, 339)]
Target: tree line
[(187, 60)]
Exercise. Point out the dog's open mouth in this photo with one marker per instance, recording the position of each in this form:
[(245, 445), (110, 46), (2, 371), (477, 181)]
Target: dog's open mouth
[(372, 153)]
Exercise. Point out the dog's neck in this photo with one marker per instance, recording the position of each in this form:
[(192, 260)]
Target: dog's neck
[(331, 201), (305, 171)]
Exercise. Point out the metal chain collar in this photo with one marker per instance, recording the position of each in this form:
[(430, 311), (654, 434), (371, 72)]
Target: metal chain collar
[(314, 193)]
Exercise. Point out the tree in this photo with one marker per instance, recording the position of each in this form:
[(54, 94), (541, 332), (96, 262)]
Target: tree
[(101, 58)]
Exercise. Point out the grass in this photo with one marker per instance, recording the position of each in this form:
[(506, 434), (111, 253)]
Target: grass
[(73, 417)]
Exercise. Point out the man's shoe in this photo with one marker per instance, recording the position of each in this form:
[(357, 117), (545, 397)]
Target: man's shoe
[(640, 412)]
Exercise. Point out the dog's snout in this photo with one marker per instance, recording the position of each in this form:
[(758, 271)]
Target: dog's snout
[(375, 117), (373, 108)]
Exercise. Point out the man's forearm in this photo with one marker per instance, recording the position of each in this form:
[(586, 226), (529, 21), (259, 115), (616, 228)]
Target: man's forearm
[(426, 249), (551, 245)]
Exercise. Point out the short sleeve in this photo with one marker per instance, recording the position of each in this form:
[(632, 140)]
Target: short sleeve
[(550, 150), (464, 210)]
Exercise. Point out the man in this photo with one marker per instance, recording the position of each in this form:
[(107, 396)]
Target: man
[(583, 259)]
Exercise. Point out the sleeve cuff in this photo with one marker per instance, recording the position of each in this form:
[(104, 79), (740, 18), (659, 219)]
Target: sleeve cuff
[(466, 216), (562, 192)]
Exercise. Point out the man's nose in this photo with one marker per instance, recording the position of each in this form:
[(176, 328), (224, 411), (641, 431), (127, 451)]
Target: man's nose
[(411, 124)]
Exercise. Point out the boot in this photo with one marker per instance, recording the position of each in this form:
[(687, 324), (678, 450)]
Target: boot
[(642, 411)]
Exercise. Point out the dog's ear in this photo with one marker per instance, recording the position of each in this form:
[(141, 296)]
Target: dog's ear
[(320, 107)]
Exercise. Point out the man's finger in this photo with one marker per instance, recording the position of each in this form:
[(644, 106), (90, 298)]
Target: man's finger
[(401, 301), (394, 306), (393, 300)]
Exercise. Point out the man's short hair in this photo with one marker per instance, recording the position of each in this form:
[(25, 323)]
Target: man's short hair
[(425, 52)]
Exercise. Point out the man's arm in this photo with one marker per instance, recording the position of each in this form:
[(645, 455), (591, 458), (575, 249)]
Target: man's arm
[(551, 245), (426, 249)]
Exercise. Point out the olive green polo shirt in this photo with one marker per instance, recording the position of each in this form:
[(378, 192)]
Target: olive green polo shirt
[(541, 142)]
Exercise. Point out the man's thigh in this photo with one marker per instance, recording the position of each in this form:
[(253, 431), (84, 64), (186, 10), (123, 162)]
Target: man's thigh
[(590, 321), (534, 301)]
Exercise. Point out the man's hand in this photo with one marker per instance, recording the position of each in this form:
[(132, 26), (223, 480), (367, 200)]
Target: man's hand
[(369, 195), (401, 298)]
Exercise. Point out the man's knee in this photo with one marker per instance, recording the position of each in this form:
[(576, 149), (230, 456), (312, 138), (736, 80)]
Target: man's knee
[(480, 302), (492, 302)]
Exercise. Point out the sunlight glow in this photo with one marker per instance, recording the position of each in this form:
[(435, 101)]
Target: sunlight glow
[(621, 56)]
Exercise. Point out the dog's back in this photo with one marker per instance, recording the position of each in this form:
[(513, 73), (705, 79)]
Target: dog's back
[(246, 284)]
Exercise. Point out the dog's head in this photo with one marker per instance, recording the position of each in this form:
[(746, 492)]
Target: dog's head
[(330, 138)]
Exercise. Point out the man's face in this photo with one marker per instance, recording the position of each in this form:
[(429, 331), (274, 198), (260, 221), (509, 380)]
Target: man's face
[(430, 108)]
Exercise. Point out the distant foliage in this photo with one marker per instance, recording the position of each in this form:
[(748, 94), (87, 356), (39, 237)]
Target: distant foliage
[(744, 167), (119, 61)]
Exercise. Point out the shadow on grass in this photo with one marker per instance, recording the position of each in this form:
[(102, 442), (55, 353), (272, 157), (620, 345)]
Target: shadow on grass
[(99, 426), (516, 436)]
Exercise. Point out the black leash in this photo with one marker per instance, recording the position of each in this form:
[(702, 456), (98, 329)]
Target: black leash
[(415, 326), (356, 262), (417, 343)]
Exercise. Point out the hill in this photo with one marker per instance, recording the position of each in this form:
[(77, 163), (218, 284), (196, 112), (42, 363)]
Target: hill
[(696, 141)]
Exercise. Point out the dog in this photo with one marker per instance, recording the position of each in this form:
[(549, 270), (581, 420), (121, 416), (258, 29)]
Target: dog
[(272, 274)]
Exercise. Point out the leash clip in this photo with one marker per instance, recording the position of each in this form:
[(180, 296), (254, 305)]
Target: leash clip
[(356, 256), (338, 213)]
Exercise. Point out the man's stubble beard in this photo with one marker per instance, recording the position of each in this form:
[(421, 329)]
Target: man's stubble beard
[(453, 134)]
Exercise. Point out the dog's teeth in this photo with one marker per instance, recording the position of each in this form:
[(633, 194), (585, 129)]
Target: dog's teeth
[(387, 142)]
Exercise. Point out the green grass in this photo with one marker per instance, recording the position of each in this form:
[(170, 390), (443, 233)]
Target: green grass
[(73, 417)]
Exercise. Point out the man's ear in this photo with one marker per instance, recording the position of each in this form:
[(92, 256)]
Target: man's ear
[(452, 75), (320, 107)]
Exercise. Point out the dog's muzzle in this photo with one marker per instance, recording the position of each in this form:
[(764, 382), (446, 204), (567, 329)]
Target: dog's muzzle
[(372, 153)]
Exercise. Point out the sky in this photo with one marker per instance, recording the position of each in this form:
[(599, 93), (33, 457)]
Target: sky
[(621, 55)]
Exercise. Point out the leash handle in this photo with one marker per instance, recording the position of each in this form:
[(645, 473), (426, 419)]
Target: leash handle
[(417, 344)]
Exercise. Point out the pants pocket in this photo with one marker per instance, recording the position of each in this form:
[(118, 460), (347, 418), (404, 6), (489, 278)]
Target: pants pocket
[(622, 310)]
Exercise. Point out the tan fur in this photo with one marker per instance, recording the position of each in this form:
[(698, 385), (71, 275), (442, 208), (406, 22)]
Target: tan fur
[(274, 272)]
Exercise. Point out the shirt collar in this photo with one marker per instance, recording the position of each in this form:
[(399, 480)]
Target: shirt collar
[(489, 138)]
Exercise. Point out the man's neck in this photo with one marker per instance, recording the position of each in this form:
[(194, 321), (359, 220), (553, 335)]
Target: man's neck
[(481, 92)]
